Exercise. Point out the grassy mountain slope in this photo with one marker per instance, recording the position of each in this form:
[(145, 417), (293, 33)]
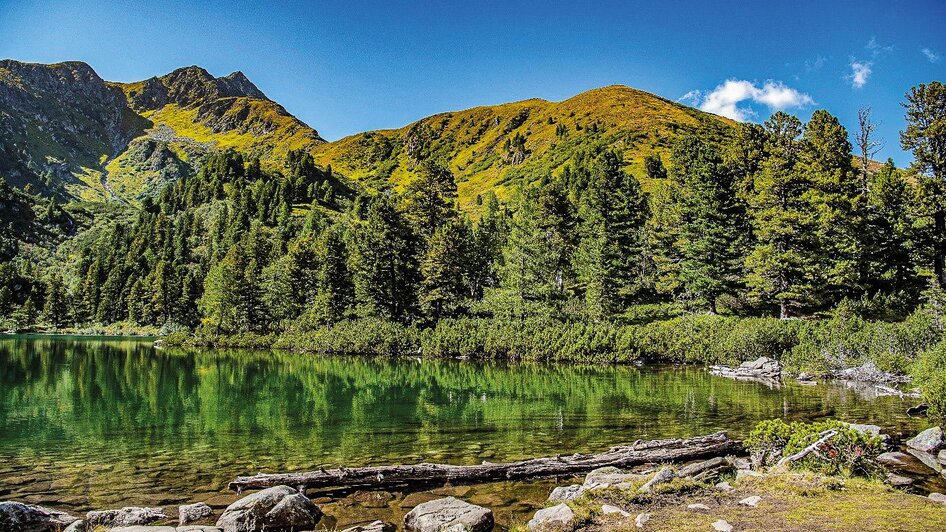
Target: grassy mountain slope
[(69, 133), (493, 147)]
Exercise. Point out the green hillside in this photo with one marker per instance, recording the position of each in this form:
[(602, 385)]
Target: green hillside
[(490, 148)]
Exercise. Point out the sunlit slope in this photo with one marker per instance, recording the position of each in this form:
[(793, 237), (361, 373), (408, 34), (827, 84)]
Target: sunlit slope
[(491, 148)]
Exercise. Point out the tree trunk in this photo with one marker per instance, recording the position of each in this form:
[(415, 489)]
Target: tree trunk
[(384, 477)]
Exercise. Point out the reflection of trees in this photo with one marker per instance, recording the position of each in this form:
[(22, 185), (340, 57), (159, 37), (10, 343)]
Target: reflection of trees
[(276, 410)]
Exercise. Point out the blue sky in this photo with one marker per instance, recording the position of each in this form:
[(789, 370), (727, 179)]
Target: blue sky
[(346, 66)]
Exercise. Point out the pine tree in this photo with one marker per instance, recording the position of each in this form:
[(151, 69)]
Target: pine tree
[(386, 263), (444, 271), (430, 200), (336, 292), (712, 224), (782, 262), (56, 306)]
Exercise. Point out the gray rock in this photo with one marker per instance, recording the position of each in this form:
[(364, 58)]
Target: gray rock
[(448, 513), (742, 463), (191, 513), (567, 493), (607, 509), (663, 476), (724, 486), (198, 528), (31, 518), (698, 507), (374, 526), (869, 372), (938, 497), (270, 509), (928, 459), (556, 518), (76, 526), (930, 440), (125, 517), (904, 462), (873, 430), (722, 526), (941, 457), (760, 368), (744, 473), (751, 501), (143, 528), (605, 477), (641, 520)]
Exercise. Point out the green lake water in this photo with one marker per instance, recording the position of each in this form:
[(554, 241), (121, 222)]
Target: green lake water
[(91, 423)]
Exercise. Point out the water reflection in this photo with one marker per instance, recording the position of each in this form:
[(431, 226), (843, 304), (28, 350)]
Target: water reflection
[(117, 421)]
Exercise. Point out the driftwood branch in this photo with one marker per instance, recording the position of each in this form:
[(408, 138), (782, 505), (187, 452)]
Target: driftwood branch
[(824, 437), (381, 477)]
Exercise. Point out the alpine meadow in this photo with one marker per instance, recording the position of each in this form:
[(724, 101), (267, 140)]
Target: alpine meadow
[(608, 310)]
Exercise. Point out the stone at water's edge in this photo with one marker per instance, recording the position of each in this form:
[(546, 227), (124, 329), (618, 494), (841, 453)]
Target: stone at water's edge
[(143, 528), (127, 516), (930, 440), (279, 506), (904, 462), (448, 513), (556, 518), (31, 518), (191, 513), (374, 526), (566, 493)]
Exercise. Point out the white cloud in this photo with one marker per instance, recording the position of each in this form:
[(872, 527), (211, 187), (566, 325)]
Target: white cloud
[(691, 97), (876, 49), (860, 71), (724, 100), (931, 55)]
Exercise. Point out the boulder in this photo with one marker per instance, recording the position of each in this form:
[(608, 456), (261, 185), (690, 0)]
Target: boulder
[(567, 493), (760, 368), (143, 528), (448, 513), (374, 526), (127, 516), (276, 508), (556, 518), (607, 509), (899, 481), (191, 513), (929, 441), (663, 476), (31, 518), (904, 462), (641, 520), (869, 372), (928, 459), (722, 526), (941, 457)]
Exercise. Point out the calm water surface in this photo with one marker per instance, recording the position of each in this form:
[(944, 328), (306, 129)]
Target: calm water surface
[(93, 423)]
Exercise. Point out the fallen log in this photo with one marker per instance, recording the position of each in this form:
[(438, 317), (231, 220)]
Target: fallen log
[(382, 477)]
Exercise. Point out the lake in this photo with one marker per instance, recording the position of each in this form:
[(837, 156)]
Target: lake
[(93, 423)]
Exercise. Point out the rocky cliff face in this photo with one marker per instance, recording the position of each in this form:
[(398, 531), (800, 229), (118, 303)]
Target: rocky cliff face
[(65, 131)]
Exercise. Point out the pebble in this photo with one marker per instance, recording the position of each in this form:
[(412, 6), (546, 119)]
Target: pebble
[(607, 509), (722, 526), (751, 501), (938, 497), (641, 519), (699, 507), (724, 486)]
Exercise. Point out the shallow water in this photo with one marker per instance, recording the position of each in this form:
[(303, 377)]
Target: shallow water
[(93, 423)]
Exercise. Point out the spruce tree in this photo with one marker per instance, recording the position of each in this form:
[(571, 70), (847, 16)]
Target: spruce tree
[(444, 270)]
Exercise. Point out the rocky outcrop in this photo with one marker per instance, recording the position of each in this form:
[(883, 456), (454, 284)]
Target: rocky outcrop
[(276, 508), (448, 514), (31, 518), (930, 440), (869, 372), (554, 519), (127, 516)]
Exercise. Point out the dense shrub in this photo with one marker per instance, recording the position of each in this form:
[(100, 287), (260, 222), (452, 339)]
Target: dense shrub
[(849, 452), (930, 374)]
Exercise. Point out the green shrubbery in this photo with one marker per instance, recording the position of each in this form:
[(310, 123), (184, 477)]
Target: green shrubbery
[(849, 452), (930, 374)]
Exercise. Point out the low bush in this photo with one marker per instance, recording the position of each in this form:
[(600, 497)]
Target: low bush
[(848, 453), (930, 375)]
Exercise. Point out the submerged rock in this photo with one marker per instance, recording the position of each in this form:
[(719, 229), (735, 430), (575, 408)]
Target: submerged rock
[(279, 507), (448, 513), (560, 517), (904, 462), (124, 517), (930, 440), (31, 518)]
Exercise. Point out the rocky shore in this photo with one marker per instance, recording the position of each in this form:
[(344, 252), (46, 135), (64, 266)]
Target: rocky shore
[(722, 493)]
